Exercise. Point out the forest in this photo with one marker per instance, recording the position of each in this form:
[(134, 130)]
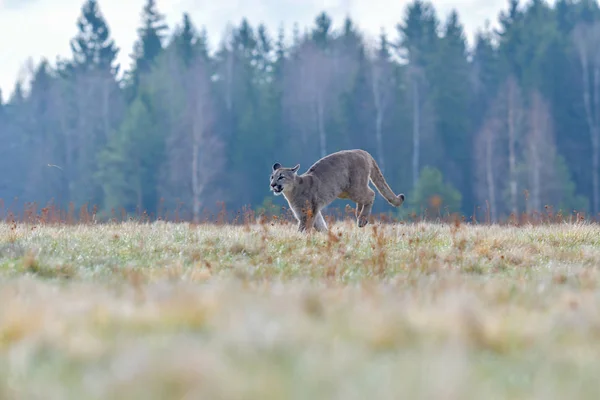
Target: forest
[(508, 125)]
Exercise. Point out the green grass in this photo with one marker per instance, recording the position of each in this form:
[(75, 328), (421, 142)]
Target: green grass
[(175, 311)]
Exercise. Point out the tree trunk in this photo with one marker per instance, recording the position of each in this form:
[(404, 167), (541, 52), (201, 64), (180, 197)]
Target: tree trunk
[(195, 180), (489, 154), (416, 130), (582, 42), (512, 168), (541, 153), (378, 100), (140, 188), (595, 133), (595, 166), (321, 124), (379, 139), (196, 184), (229, 79), (68, 143), (592, 125), (534, 169), (106, 91)]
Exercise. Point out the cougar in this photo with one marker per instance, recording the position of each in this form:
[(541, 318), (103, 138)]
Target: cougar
[(344, 175)]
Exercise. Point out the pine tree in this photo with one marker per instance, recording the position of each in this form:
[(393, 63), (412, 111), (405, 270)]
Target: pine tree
[(17, 97), (321, 33), (417, 45), (352, 120), (382, 89), (88, 102), (14, 154), (43, 138), (350, 69), (149, 43), (93, 47), (510, 36), (260, 100), (185, 39), (565, 91), (253, 135), (264, 55), (484, 75), (418, 33), (130, 162), (452, 98), (536, 53), (281, 53)]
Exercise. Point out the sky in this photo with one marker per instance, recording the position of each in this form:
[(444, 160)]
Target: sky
[(32, 29)]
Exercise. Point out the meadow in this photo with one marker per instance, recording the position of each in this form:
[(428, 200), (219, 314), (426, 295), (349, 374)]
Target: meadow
[(422, 310)]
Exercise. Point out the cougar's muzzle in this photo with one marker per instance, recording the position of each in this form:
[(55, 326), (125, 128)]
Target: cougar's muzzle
[(276, 188)]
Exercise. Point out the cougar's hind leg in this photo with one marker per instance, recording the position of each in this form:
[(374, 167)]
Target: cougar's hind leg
[(320, 224), (364, 199), (365, 212)]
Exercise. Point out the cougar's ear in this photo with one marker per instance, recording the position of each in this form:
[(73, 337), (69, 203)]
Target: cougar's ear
[(276, 166), (296, 168)]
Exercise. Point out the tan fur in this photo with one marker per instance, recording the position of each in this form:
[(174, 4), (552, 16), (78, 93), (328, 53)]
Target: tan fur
[(344, 175)]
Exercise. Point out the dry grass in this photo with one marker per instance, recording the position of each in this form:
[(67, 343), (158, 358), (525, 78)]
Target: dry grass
[(173, 311)]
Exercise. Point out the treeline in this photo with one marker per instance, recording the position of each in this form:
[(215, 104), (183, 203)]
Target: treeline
[(509, 126)]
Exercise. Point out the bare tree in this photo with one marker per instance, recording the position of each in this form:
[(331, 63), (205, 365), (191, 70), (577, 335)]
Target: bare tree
[(89, 107), (499, 143), (514, 120), (207, 149), (382, 89), (509, 108), (228, 66), (537, 131), (490, 163), (300, 93), (416, 78), (294, 99), (319, 73), (587, 40), (41, 129), (313, 84), (540, 155), (195, 153)]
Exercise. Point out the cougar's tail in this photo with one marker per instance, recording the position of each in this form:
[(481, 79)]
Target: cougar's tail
[(382, 187)]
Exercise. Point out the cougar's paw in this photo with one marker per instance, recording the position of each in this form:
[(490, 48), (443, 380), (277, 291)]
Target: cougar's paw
[(362, 221)]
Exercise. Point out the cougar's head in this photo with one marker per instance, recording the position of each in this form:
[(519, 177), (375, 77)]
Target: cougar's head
[(282, 178)]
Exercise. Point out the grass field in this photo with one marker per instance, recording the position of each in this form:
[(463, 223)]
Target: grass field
[(416, 311)]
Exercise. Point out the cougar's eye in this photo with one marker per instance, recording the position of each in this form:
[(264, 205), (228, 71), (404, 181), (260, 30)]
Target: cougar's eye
[(280, 178)]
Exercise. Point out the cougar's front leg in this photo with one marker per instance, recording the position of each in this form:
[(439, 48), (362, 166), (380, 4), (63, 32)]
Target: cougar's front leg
[(302, 225), (300, 217), (306, 222), (306, 217)]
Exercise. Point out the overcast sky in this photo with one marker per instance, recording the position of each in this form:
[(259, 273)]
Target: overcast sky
[(43, 28)]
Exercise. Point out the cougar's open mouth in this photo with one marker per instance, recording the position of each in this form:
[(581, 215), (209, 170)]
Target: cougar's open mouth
[(277, 189)]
